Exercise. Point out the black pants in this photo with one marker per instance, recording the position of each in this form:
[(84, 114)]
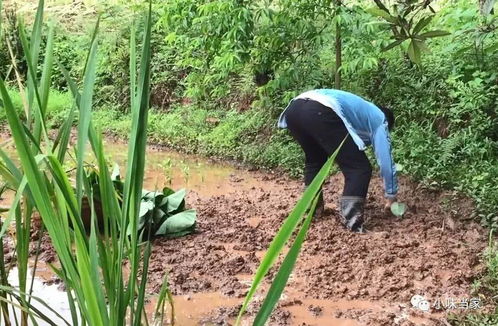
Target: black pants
[(320, 131)]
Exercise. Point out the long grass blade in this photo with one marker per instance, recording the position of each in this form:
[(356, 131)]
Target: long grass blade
[(84, 118), (133, 67), (284, 272), (287, 229), (136, 163), (32, 82)]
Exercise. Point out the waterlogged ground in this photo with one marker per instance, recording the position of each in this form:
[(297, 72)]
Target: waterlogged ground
[(341, 278)]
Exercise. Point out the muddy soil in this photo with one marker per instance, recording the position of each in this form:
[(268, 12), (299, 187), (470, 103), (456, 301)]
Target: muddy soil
[(341, 278), (365, 279)]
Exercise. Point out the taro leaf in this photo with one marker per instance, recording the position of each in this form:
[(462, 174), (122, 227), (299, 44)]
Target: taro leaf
[(178, 224), (141, 221), (168, 191), (398, 209), (176, 201), (145, 206), (158, 215), (158, 199), (145, 214), (164, 198)]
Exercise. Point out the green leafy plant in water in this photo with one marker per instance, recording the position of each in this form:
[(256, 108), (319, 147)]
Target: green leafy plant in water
[(162, 213)]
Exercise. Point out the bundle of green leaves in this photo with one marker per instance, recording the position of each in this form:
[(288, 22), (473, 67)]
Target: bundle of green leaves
[(162, 213)]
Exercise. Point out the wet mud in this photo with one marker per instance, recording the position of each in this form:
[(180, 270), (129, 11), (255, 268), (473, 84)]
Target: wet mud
[(341, 278)]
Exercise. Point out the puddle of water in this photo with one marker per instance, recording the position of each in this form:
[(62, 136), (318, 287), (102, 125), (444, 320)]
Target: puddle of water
[(49, 294), (191, 309), (166, 168)]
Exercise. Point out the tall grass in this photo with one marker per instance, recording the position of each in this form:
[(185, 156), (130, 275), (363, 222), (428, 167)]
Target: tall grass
[(100, 292)]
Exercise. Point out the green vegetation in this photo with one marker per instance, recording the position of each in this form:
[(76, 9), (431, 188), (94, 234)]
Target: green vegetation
[(219, 83), (99, 290)]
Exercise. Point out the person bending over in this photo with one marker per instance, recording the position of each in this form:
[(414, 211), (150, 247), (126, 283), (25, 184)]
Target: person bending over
[(319, 120)]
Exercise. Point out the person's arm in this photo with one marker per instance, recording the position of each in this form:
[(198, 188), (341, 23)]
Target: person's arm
[(382, 148)]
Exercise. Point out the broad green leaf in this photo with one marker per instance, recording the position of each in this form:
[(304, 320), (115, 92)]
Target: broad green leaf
[(175, 200), (145, 207), (178, 223), (398, 209), (414, 53)]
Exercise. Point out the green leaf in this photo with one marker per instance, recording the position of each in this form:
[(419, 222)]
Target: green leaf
[(145, 207), (398, 209), (180, 222), (422, 46), (437, 33), (175, 200), (382, 13), (421, 24), (392, 45), (414, 53)]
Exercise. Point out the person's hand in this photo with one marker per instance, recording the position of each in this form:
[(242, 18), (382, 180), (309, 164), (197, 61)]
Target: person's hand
[(388, 203)]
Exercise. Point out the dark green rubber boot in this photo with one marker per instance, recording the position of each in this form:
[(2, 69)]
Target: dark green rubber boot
[(352, 213)]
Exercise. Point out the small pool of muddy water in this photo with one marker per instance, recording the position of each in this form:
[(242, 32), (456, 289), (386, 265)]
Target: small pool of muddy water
[(341, 279)]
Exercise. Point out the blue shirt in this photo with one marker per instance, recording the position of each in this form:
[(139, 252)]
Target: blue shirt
[(366, 124)]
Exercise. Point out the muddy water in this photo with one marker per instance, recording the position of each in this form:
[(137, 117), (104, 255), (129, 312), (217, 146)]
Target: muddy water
[(47, 292), (166, 168)]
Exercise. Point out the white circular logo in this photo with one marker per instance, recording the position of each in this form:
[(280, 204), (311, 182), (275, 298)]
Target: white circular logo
[(416, 300)]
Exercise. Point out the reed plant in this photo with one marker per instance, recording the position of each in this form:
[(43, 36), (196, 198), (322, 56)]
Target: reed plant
[(100, 290)]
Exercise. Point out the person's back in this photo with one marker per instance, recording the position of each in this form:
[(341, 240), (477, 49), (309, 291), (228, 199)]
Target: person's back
[(361, 117), (320, 119)]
